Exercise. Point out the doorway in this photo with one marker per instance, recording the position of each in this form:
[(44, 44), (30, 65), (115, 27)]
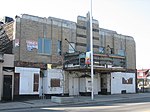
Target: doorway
[(104, 84), (73, 86), (7, 87)]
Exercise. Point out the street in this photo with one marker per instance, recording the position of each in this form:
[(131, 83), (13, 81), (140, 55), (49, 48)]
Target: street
[(128, 105)]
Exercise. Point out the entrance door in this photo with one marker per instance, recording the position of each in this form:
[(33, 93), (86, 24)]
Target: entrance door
[(7, 87), (104, 84), (73, 86), (76, 86)]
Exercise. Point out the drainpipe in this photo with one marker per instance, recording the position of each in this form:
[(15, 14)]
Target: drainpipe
[(136, 88)]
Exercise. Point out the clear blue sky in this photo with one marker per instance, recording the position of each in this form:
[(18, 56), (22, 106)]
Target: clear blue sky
[(128, 17)]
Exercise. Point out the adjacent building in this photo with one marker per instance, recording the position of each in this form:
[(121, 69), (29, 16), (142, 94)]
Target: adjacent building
[(143, 80), (50, 58), (6, 59), (114, 61)]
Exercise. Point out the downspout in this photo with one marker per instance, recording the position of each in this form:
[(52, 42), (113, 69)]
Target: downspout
[(20, 39), (136, 88)]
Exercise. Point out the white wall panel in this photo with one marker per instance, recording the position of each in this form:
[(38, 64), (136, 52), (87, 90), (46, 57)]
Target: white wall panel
[(116, 82), (26, 79), (53, 74)]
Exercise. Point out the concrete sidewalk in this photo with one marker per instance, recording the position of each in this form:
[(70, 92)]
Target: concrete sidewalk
[(77, 99)]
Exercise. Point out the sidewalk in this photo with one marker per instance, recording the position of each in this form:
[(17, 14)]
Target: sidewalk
[(78, 100)]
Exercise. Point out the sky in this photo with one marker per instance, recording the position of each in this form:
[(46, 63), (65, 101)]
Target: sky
[(127, 17)]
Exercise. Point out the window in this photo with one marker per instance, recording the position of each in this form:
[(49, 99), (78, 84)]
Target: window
[(59, 44), (127, 81), (55, 82), (140, 74), (81, 44), (71, 47), (102, 38), (121, 52), (81, 27), (36, 83), (101, 50), (95, 38), (44, 45), (95, 30), (80, 35)]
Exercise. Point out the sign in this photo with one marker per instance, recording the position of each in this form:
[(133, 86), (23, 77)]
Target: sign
[(31, 45), (16, 42), (87, 58), (49, 66)]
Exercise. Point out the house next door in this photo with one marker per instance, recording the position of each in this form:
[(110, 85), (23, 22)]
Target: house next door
[(7, 87)]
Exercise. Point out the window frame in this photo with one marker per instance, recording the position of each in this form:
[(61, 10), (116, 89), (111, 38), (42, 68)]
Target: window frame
[(59, 47), (42, 46), (70, 49)]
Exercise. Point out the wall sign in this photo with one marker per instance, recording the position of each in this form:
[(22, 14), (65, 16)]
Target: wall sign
[(16, 42), (31, 45)]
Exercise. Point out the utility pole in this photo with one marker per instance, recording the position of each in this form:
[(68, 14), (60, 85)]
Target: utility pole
[(91, 49)]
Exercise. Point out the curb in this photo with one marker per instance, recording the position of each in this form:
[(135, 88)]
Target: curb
[(75, 103)]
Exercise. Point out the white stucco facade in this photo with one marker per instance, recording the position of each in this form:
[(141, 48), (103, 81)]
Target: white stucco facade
[(49, 75), (27, 80), (117, 85)]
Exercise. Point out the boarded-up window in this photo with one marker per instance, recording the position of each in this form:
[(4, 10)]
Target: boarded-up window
[(127, 81), (36, 83), (55, 82)]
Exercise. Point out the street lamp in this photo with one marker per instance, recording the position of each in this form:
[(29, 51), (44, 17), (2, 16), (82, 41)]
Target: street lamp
[(91, 49)]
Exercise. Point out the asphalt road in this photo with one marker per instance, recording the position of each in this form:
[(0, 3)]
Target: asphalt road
[(130, 105)]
